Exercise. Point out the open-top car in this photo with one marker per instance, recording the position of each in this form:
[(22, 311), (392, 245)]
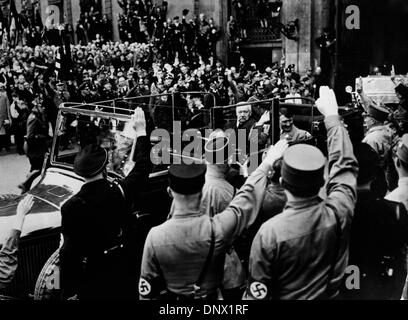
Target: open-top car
[(108, 124)]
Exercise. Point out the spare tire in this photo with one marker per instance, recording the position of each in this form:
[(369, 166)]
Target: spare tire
[(48, 282)]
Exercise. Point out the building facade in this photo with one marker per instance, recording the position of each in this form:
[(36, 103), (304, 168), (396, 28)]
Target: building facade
[(368, 33), (264, 49)]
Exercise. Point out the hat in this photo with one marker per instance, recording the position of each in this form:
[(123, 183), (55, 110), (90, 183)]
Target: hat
[(377, 112), (402, 90), (216, 149), (90, 161), (187, 178), (303, 168), (185, 12), (402, 151)]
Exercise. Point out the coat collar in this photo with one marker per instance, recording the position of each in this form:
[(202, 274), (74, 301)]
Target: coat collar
[(303, 203)]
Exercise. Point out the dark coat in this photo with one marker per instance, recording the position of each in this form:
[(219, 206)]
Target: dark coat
[(92, 221), (37, 135), (377, 245)]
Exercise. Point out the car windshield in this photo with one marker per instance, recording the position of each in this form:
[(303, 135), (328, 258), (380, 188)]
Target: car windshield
[(108, 124)]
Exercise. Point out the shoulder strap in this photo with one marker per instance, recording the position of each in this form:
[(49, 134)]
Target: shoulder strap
[(207, 261)]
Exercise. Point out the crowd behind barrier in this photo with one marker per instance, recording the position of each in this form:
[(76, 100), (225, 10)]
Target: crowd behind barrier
[(253, 231)]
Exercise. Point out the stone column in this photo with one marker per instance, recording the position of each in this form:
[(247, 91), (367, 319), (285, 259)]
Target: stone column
[(116, 9), (321, 10), (75, 13), (221, 19), (313, 15)]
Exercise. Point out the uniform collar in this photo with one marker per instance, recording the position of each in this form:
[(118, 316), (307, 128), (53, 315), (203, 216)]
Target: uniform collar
[(91, 185), (303, 203), (178, 214), (291, 132)]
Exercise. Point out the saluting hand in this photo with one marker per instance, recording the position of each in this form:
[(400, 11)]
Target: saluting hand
[(266, 117), (23, 208), (139, 122), (276, 152), (327, 103)]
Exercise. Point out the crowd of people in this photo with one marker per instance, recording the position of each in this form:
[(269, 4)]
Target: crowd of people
[(100, 71), (290, 230)]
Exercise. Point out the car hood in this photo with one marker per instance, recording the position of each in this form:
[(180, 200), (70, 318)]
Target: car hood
[(52, 191)]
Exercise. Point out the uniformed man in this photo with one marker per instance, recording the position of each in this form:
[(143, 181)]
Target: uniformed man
[(37, 137), (401, 164), (288, 130), (401, 193), (379, 137), (217, 193), (94, 221), (401, 114), (195, 239), (302, 253), (378, 236)]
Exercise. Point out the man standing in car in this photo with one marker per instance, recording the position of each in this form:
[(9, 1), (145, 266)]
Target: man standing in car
[(94, 263), (37, 136)]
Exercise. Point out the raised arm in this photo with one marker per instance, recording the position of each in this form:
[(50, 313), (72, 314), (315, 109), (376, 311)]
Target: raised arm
[(9, 250), (244, 208), (137, 179), (343, 166), (364, 98)]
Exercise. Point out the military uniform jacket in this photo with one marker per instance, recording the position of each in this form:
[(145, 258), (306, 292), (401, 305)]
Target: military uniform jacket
[(175, 252), (8, 258), (380, 139), (293, 253), (37, 135), (295, 134), (401, 193), (92, 221)]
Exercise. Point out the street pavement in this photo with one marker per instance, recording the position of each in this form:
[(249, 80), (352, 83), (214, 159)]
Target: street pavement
[(13, 170)]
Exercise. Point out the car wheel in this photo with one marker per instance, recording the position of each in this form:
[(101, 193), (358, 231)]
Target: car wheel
[(48, 282)]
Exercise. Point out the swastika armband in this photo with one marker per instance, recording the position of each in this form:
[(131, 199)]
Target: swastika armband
[(150, 289), (258, 290)]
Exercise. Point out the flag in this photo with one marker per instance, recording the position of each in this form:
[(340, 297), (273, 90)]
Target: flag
[(63, 59)]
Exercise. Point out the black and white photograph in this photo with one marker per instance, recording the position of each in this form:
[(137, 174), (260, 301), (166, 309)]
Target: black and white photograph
[(203, 154)]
